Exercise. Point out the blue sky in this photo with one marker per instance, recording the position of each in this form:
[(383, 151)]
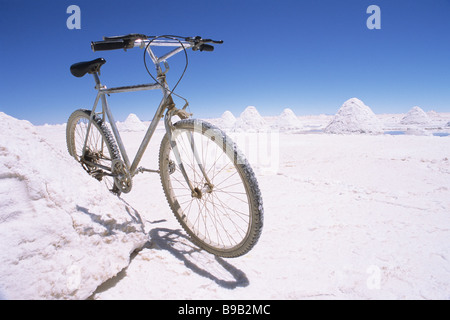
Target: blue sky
[(308, 55)]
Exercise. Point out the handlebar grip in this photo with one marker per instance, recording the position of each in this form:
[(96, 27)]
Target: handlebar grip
[(206, 47), (108, 45)]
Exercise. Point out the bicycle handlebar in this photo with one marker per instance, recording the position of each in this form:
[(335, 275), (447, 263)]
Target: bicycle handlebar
[(117, 42), (131, 40), (107, 45)]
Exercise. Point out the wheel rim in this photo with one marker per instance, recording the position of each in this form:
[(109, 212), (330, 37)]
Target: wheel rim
[(218, 212), (97, 151)]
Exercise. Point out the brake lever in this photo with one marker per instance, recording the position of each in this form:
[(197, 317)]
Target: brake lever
[(131, 36), (201, 44), (213, 41), (199, 39)]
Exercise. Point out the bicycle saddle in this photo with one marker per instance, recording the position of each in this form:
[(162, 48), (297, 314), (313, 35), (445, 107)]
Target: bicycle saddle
[(81, 68)]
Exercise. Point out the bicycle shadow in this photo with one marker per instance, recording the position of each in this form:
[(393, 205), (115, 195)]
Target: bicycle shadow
[(111, 225), (178, 244), (199, 261)]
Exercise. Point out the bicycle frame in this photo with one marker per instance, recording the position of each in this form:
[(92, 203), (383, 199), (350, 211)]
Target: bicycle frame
[(165, 104)]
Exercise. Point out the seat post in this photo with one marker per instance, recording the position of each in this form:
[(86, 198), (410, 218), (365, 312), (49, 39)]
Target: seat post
[(98, 85)]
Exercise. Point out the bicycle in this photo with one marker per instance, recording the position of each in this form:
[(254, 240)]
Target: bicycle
[(208, 183)]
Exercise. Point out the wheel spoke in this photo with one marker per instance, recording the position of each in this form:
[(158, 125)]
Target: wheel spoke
[(218, 214), (98, 149)]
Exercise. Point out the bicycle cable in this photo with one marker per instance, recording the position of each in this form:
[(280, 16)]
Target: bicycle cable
[(171, 37)]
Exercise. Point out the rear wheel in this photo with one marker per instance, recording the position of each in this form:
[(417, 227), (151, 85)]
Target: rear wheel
[(222, 209), (101, 150)]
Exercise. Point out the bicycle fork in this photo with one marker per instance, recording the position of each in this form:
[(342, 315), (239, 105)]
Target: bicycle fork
[(195, 191)]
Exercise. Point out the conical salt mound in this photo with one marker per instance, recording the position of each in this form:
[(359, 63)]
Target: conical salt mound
[(132, 123), (287, 120), (433, 114), (354, 117), (415, 116), (250, 120), (227, 120)]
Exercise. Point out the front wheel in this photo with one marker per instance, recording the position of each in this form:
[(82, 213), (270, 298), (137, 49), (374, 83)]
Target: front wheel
[(211, 188)]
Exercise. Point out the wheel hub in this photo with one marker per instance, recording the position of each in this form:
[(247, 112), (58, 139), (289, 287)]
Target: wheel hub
[(198, 193)]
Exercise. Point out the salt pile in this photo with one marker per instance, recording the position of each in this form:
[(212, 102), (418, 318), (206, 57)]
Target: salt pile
[(287, 120), (250, 120), (415, 116), (227, 120), (354, 117), (433, 114), (55, 220), (131, 123)]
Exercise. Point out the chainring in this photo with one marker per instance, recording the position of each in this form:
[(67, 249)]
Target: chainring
[(122, 176)]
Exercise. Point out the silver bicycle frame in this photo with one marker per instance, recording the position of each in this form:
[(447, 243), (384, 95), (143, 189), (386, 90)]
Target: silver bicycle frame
[(166, 101)]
